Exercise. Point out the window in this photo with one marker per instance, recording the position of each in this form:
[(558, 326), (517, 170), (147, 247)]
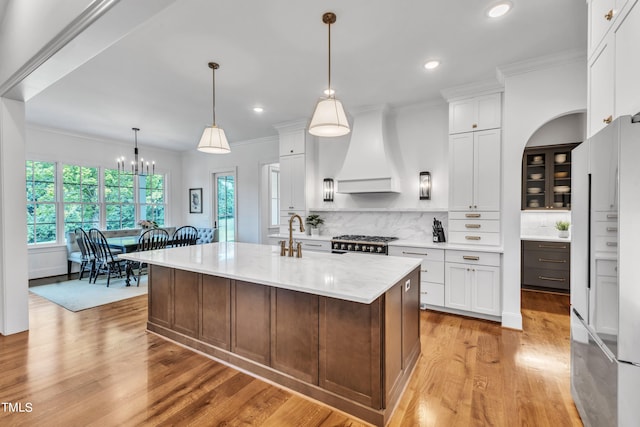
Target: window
[(119, 200), (41, 202), (80, 197), (151, 198), (274, 185)]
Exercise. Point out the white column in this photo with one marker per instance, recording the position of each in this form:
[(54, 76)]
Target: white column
[(14, 282)]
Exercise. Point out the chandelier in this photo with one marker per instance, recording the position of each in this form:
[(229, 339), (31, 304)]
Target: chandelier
[(138, 165)]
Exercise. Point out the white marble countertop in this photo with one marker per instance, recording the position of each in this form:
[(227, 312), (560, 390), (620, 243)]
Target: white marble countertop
[(546, 238), (353, 277)]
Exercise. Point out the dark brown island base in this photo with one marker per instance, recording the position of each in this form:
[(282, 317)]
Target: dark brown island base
[(354, 356)]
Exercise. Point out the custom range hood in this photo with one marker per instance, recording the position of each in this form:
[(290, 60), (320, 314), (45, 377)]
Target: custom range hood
[(368, 166)]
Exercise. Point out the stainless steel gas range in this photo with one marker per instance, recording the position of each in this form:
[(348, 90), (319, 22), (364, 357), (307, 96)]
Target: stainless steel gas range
[(358, 243)]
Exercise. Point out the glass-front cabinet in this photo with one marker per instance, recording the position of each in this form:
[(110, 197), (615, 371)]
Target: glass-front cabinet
[(546, 177)]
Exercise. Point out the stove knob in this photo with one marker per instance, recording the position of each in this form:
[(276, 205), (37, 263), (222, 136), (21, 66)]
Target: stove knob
[(371, 249), (350, 247), (364, 248), (336, 246), (379, 249), (343, 246), (357, 248)]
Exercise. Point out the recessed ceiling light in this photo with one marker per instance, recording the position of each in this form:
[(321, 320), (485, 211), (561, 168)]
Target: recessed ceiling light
[(258, 109), (430, 65), (329, 92), (499, 10)]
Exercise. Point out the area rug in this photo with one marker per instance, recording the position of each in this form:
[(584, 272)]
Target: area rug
[(77, 295)]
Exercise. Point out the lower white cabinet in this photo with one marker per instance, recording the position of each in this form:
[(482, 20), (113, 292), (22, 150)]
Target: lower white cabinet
[(431, 272), (472, 282)]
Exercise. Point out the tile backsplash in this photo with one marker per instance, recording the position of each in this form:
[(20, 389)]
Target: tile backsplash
[(542, 224)]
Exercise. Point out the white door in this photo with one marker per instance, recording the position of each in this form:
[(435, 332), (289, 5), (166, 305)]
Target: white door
[(601, 88), (485, 290), (461, 172), (487, 168), (456, 289), (224, 205)]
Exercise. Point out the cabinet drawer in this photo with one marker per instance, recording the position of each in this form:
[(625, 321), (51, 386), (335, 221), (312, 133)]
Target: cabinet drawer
[(608, 216), (536, 245), (606, 243), (432, 293), (474, 215), (474, 238), (417, 252), (472, 257), (316, 245), (432, 271), (547, 260), (602, 228), (474, 225), (546, 278), (606, 267)]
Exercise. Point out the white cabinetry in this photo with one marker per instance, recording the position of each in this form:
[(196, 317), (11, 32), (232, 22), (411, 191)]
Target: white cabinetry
[(472, 282), (313, 245), (473, 114), (292, 142), (296, 174), (431, 272), (614, 89), (475, 171)]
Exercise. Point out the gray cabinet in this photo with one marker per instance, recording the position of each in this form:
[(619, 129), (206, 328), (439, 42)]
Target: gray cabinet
[(546, 264)]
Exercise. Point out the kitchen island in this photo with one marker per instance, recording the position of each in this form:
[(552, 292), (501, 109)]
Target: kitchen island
[(342, 329)]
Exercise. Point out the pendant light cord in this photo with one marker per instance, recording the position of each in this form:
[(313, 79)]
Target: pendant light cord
[(330, 96), (213, 72)]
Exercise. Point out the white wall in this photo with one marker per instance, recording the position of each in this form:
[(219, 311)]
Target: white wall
[(563, 130), (58, 146), (418, 137), (246, 158), (531, 99)]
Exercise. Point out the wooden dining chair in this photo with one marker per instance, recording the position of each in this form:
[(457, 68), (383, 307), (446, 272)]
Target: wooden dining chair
[(184, 236), (106, 262), (155, 238)]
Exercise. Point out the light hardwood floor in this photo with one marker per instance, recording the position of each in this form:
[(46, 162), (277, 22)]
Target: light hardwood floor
[(100, 368)]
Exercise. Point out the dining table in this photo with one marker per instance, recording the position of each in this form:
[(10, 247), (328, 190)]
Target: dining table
[(127, 244)]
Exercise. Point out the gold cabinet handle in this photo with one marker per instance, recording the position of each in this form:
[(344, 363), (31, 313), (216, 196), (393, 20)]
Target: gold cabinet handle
[(612, 228), (424, 271), (474, 126), (608, 120), (472, 225), (612, 216), (472, 215), (613, 244), (471, 258), (552, 279), (472, 237), (609, 15), (557, 261)]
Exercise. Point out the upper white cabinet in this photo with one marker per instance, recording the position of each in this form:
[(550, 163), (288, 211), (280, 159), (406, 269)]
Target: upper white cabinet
[(627, 69), (292, 183), (292, 142), (614, 89), (474, 114), (475, 164), (601, 14), (602, 89)]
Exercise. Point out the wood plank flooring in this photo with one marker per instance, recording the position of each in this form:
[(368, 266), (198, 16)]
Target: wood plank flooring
[(99, 367)]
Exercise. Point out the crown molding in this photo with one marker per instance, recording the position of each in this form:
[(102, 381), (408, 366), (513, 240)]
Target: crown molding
[(540, 63), (469, 90)]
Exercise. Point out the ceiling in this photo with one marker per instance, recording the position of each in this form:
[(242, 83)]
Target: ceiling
[(273, 54)]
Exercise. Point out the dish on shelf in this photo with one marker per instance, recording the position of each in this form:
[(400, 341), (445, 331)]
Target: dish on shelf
[(534, 190), (561, 189), (561, 158), (537, 163), (537, 159), (561, 174), (534, 204), (535, 176), (558, 204)]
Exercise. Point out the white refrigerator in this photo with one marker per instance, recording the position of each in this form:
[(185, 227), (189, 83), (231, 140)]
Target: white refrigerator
[(605, 276)]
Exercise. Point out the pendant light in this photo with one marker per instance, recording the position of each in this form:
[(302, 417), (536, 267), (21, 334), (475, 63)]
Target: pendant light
[(329, 118), (213, 139), (137, 165)]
